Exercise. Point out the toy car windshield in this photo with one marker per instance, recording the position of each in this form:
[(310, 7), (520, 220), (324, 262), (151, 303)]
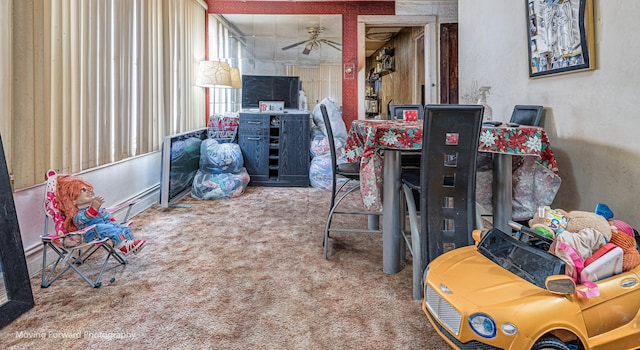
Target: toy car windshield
[(524, 260)]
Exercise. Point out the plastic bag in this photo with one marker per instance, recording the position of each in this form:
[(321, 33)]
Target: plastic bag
[(335, 117), (185, 155), (319, 143), (207, 185), (217, 158), (223, 128), (320, 175)]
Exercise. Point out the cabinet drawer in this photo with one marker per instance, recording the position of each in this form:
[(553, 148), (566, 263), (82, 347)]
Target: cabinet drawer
[(253, 125)]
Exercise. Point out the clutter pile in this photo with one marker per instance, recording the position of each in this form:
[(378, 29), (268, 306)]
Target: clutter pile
[(221, 173), (593, 245)]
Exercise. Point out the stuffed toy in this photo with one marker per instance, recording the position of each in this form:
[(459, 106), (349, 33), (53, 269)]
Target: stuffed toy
[(82, 208), (554, 220), (579, 220), (547, 221)]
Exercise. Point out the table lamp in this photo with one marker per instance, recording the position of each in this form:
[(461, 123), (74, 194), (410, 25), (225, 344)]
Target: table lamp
[(236, 83), (212, 74)]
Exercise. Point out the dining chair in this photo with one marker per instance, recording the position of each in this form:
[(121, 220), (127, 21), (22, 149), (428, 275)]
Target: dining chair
[(351, 171), (408, 159), (397, 111), (526, 115), (445, 184)]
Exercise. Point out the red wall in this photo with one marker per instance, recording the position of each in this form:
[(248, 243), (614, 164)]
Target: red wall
[(349, 11)]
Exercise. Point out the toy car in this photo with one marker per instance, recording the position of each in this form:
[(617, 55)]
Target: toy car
[(510, 293)]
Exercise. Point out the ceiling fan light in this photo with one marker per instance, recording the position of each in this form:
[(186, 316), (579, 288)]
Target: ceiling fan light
[(307, 48)]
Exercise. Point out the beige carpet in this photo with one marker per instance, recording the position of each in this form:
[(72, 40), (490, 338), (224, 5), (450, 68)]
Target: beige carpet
[(242, 273)]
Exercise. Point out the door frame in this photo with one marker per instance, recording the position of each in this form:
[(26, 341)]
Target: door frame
[(431, 60)]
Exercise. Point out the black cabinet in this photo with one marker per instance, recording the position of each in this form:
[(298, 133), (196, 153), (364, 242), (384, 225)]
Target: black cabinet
[(275, 147)]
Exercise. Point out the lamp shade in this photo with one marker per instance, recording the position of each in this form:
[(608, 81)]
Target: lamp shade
[(214, 73), (236, 80)]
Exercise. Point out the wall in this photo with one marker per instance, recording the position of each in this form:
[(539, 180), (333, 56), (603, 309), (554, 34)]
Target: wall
[(590, 116)]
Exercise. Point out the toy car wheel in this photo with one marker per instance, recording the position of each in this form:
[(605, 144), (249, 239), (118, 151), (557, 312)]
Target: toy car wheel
[(549, 343)]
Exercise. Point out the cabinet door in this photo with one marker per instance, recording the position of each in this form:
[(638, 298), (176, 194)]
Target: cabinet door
[(294, 148), (255, 151), (253, 139)]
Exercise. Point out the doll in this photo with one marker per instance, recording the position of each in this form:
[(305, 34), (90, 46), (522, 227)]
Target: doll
[(81, 208)]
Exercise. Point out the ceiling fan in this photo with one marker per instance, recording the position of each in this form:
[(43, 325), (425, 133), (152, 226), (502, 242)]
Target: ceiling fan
[(314, 43)]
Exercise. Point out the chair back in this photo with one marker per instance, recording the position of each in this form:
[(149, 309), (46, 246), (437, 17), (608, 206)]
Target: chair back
[(50, 205), (397, 111), (448, 180), (526, 115)]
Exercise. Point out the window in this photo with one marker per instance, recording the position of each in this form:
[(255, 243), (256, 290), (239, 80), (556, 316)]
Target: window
[(97, 82), (223, 46)]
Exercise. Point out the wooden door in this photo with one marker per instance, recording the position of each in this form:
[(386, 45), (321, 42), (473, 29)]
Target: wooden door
[(449, 63)]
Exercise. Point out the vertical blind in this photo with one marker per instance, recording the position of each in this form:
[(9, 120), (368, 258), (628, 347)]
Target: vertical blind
[(98, 81)]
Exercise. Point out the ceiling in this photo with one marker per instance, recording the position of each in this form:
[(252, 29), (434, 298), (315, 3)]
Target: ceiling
[(266, 35)]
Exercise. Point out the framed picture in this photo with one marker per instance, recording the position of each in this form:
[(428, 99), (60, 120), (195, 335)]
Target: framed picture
[(560, 34)]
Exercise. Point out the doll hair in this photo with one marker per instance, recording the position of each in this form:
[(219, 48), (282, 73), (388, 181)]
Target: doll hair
[(69, 188)]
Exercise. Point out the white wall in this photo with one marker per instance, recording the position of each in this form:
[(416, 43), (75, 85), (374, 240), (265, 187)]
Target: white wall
[(591, 117)]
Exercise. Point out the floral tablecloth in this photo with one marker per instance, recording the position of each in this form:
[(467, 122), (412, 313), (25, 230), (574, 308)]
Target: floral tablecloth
[(535, 179)]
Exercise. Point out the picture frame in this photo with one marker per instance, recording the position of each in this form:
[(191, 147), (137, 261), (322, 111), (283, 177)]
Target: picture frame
[(271, 106), (560, 36), (17, 296)]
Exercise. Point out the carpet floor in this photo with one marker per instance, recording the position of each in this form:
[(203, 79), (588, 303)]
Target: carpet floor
[(240, 273)]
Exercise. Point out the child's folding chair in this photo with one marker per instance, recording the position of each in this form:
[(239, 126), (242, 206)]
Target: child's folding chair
[(71, 248)]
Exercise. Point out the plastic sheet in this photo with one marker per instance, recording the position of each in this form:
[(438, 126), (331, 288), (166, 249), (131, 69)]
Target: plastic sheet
[(335, 117), (319, 143), (320, 175), (218, 186), (218, 158)]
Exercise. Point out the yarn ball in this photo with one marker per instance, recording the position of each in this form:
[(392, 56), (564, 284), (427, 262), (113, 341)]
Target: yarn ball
[(631, 257)]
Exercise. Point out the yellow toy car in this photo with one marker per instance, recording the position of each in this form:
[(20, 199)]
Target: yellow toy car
[(508, 293)]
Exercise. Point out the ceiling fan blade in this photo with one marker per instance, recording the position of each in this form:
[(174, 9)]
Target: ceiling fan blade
[(294, 45), (331, 44)]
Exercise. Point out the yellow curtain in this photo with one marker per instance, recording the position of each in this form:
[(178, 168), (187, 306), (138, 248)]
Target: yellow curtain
[(98, 81)]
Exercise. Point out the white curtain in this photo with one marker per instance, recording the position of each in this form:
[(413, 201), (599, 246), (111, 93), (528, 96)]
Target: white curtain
[(323, 81), (99, 81)]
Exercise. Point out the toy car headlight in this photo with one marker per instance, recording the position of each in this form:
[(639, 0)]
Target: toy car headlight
[(483, 325), (425, 273)]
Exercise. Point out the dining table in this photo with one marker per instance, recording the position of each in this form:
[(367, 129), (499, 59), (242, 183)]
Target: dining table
[(523, 164)]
